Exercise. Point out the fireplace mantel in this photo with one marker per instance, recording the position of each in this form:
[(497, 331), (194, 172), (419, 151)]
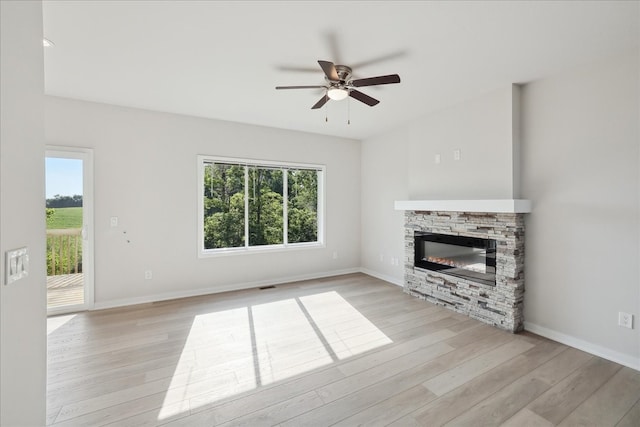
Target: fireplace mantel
[(494, 206)]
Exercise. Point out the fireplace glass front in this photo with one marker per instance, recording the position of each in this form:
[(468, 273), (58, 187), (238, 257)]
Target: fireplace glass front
[(465, 257)]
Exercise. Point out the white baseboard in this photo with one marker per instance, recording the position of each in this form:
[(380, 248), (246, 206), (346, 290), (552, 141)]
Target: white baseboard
[(218, 289), (392, 280), (605, 353)]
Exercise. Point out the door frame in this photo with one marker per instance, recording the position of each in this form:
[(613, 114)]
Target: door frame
[(86, 155)]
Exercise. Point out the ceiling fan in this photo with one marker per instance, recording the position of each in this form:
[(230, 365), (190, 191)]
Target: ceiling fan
[(339, 84)]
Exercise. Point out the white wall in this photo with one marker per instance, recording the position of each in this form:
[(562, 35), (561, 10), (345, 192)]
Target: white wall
[(399, 165), (384, 179), (146, 174), (22, 223), (482, 130), (579, 164), (580, 167)]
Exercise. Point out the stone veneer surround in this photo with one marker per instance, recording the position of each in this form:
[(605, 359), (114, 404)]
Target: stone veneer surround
[(500, 305)]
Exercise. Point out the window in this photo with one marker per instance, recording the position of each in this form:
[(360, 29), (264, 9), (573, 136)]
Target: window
[(247, 205)]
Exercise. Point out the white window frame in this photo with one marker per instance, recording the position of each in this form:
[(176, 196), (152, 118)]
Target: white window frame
[(320, 243)]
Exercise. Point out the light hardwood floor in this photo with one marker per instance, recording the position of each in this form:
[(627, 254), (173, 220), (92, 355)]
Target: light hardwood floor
[(348, 350)]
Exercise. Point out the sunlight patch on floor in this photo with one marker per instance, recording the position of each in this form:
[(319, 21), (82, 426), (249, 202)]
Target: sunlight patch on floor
[(216, 361), (233, 351), (286, 343), (346, 330), (55, 322)]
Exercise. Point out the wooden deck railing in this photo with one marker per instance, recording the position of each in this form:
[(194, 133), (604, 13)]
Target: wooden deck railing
[(64, 251)]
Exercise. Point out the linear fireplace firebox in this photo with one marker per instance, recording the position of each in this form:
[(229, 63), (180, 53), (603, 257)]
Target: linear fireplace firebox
[(465, 257)]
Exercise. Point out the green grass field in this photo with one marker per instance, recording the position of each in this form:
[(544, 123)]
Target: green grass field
[(65, 218)]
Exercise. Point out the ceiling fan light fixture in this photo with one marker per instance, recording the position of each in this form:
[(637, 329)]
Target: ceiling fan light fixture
[(337, 93), (339, 85)]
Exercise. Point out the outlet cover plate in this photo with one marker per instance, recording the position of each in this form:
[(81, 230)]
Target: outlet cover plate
[(625, 320)]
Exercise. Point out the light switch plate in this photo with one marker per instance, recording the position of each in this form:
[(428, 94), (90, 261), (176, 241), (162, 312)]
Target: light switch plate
[(17, 264)]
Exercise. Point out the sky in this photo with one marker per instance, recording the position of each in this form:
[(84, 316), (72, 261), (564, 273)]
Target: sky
[(64, 177)]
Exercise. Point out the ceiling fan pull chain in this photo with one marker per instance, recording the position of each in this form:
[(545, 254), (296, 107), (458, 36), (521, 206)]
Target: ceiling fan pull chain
[(326, 116), (348, 111)]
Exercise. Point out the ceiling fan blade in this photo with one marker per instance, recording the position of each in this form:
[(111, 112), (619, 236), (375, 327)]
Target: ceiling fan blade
[(297, 69), (320, 103), (334, 46), (363, 98), (380, 80), (382, 58), (300, 87), (329, 70)]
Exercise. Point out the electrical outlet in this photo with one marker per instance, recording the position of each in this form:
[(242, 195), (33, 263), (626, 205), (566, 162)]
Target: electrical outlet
[(456, 154), (625, 320), (148, 275), (113, 221)]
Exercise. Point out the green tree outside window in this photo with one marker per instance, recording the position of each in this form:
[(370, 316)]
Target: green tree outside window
[(229, 187)]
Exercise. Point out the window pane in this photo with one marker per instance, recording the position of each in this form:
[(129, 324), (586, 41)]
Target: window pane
[(223, 206), (265, 206), (303, 205)]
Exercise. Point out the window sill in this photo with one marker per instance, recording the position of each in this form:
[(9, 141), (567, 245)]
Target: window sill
[(214, 253)]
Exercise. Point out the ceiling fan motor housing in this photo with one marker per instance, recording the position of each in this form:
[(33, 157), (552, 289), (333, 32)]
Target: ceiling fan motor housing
[(344, 73)]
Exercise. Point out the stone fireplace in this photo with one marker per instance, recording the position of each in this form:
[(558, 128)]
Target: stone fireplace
[(483, 277)]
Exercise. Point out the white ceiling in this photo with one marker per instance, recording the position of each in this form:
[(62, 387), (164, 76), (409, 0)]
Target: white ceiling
[(223, 59)]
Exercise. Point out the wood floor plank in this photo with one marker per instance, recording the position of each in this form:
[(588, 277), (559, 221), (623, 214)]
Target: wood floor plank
[(52, 413), (461, 374), (351, 404), (360, 364), (217, 412), (462, 399), (154, 417), (274, 414), (173, 394), (406, 421), (609, 404), (131, 409), (526, 418), (559, 401), (507, 401), (151, 369), (465, 337), (498, 406), (351, 349), (632, 417), (382, 371), (388, 411)]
